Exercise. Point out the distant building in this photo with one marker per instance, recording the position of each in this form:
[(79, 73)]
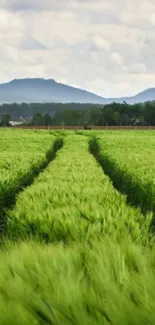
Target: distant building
[(134, 121), (15, 123)]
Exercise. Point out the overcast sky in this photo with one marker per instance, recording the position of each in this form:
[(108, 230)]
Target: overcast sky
[(105, 46)]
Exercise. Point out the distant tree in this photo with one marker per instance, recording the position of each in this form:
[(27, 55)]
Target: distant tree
[(116, 117), (47, 120), (142, 120), (94, 116), (6, 119), (38, 119), (124, 119), (149, 113)]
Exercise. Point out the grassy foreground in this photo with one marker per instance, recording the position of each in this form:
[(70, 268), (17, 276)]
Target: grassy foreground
[(105, 283)]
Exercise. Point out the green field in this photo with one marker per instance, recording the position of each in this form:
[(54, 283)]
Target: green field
[(77, 217)]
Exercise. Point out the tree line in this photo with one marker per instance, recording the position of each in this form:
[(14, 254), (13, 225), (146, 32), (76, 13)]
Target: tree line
[(85, 115), (112, 114), (26, 110)]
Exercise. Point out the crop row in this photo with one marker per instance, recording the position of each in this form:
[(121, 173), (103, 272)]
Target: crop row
[(129, 161), (74, 200), (23, 156), (19, 150)]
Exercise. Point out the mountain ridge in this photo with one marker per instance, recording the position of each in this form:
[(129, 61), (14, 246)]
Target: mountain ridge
[(41, 90)]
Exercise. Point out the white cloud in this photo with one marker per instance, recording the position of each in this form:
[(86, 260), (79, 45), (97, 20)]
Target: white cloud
[(30, 43), (101, 43), (117, 58), (35, 5), (104, 46)]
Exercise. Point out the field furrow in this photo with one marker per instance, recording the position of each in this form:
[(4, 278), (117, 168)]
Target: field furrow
[(73, 200)]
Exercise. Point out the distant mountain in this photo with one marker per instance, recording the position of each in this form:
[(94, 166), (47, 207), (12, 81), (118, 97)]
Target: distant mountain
[(42, 90), (144, 96)]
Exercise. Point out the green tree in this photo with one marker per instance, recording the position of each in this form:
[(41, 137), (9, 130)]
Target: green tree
[(47, 120), (124, 119), (6, 119), (116, 117), (142, 120), (38, 119)]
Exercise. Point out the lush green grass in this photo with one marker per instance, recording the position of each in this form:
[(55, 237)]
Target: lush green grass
[(105, 283), (20, 150), (98, 267), (23, 156), (73, 200), (128, 158)]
